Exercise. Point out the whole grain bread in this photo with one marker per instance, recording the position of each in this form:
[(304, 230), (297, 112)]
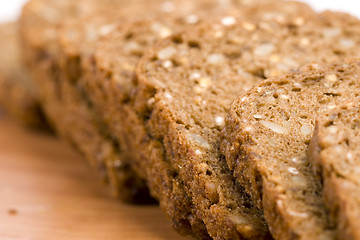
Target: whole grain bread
[(70, 45), (267, 134), (70, 38), (109, 85), (112, 85), (183, 103), (18, 97), (334, 154), (106, 80), (109, 92), (182, 90), (68, 111)]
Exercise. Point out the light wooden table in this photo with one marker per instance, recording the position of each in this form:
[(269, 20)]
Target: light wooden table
[(47, 192)]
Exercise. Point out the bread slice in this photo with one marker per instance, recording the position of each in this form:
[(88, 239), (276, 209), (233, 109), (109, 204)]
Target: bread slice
[(266, 139), (68, 111), (73, 49), (335, 156), (109, 94), (183, 88), (108, 85), (18, 96)]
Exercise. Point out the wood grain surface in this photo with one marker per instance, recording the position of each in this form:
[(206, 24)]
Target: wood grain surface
[(48, 192)]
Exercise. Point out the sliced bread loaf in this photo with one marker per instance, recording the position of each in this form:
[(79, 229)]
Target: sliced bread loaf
[(71, 38), (18, 96), (109, 82), (108, 90), (108, 86), (66, 109), (267, 134), (185, 84), (70, 50), (335, 157)]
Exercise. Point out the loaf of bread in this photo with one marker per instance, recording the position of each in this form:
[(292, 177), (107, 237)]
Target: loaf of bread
[(142, 89), (184, 103), (334, 155), (61, 78), (77, 39), (185, 112), (103, 101), (64, 103), (111, 84), (18, 97)]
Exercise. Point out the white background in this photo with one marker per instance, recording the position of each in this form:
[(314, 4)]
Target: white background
[(10, 9)]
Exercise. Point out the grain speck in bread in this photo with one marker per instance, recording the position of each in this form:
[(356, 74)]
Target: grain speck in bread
[(335, 157), (266, 141)]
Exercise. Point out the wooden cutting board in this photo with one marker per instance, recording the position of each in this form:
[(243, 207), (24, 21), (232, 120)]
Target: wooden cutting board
[(48, 192)]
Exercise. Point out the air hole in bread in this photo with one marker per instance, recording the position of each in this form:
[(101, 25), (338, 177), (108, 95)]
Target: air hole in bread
[(282, 83), (338, 52), (214, 92), (178, 121), (154, 58), (177, 39), (129, 36), (174, 174), (333, 94), (329, 123), (233, 55), (194, 44), (296, 89)]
